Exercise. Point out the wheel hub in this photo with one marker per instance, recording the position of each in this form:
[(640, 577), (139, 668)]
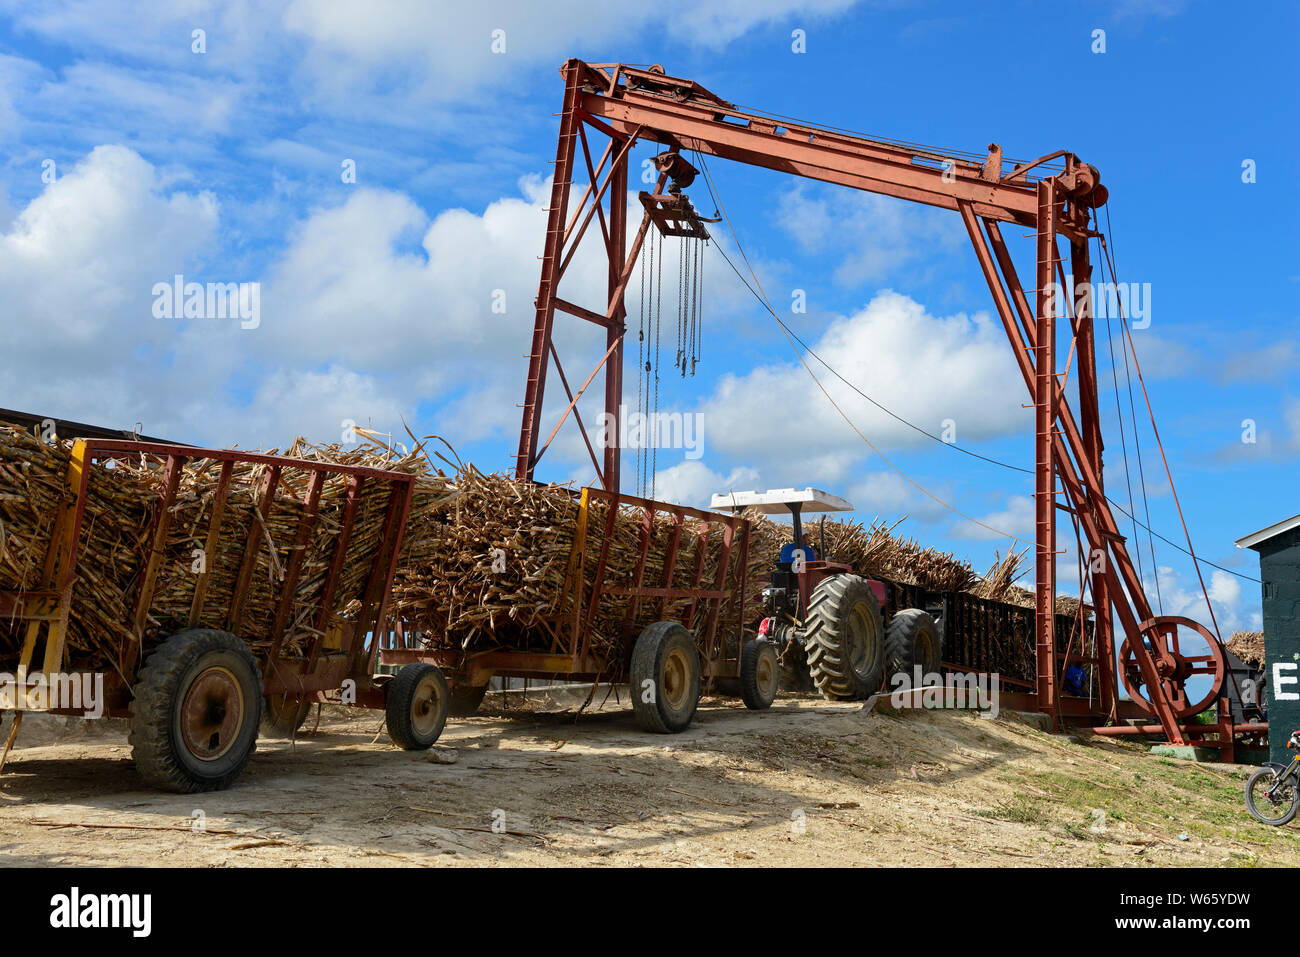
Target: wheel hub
[(676, 675), (857, 638), (211, 713), (425, 707)]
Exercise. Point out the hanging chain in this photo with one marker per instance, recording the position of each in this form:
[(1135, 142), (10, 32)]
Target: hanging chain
[(699, 345), (681, 304), (640, 372), (695, 307), (690, 340), (650, 426)]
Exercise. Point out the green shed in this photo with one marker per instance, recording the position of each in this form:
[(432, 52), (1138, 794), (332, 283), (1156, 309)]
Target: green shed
[(1279, 566)]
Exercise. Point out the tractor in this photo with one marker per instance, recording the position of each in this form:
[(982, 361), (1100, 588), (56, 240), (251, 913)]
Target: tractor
[(824, 627)]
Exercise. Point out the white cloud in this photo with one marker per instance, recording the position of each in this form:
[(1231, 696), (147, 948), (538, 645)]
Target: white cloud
[(1016, 518), (444, 50), (78, 264), (870, 237), (372, 310), (888, 495), (924, 368), (1180, 594), (693, 484), (406, 47)]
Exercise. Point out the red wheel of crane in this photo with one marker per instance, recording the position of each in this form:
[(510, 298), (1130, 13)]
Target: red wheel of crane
[(1175, 665)]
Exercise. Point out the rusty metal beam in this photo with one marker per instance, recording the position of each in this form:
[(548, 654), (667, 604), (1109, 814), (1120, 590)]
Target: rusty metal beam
[(535, 387), (1077, 473), (614, 332), (1044, 394), (158, 545), (211, 542), (289, 587), (252, 547)]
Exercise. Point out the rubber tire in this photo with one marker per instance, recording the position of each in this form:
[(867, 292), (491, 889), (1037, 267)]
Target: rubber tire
[(910, 631), (156, 745), (752, 692), (279, 718), (648, 657), (826, 625), (465, 700), (1260, 774), (399, 703)]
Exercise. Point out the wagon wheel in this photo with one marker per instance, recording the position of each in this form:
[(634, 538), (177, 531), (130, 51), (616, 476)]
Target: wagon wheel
[(415, 706), (195, 712), (664, 678), (1190, 651)]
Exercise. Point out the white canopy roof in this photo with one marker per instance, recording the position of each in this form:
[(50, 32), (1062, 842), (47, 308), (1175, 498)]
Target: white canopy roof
[(779, 500), (1264, 534)]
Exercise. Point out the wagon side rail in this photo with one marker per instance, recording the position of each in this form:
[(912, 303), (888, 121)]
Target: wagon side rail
[(724, 538), (46, 608)]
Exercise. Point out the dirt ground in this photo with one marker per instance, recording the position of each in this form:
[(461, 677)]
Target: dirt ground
[(806, 783)]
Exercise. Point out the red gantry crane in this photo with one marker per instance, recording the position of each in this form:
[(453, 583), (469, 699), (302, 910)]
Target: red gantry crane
[(1055, 196)]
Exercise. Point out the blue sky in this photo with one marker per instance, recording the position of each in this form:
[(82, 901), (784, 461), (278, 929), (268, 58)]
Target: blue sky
[(224, 165)]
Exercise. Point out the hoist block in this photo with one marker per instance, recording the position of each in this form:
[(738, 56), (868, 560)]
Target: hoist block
[(674, 215)]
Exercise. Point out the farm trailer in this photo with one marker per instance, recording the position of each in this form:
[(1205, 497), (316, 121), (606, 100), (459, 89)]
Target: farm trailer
[(664, 659), (194, 697)]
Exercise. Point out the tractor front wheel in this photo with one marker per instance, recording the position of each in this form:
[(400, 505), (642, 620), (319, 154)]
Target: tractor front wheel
[(664, 678), (843, 638), (760, 674)]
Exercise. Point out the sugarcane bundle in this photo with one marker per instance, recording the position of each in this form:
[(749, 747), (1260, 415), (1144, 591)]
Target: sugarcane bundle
[(488, 569), (500, 568), (1248, 646), (1024, 598), (996, 583), (274, 537), (122, 498), (33, 492)]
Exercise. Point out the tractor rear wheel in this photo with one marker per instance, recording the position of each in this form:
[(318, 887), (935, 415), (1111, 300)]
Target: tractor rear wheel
[(415, 703), (760, 674), (664, 678), (195, 711), (911, 641), (843, 638)]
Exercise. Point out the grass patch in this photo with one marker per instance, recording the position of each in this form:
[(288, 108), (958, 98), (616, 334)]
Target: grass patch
[(1016, 809)]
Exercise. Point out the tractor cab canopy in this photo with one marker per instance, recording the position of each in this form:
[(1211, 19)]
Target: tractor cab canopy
[(798, 502)]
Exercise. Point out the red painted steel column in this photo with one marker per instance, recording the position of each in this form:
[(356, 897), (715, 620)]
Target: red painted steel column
[(614, 332), (1044, 451), (539, 357), (1090, 423)]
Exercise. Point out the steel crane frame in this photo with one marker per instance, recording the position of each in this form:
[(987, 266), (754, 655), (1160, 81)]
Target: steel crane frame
[(1053, 195)]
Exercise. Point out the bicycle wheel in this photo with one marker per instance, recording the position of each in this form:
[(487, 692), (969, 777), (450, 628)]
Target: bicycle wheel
[(1271, 798)]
